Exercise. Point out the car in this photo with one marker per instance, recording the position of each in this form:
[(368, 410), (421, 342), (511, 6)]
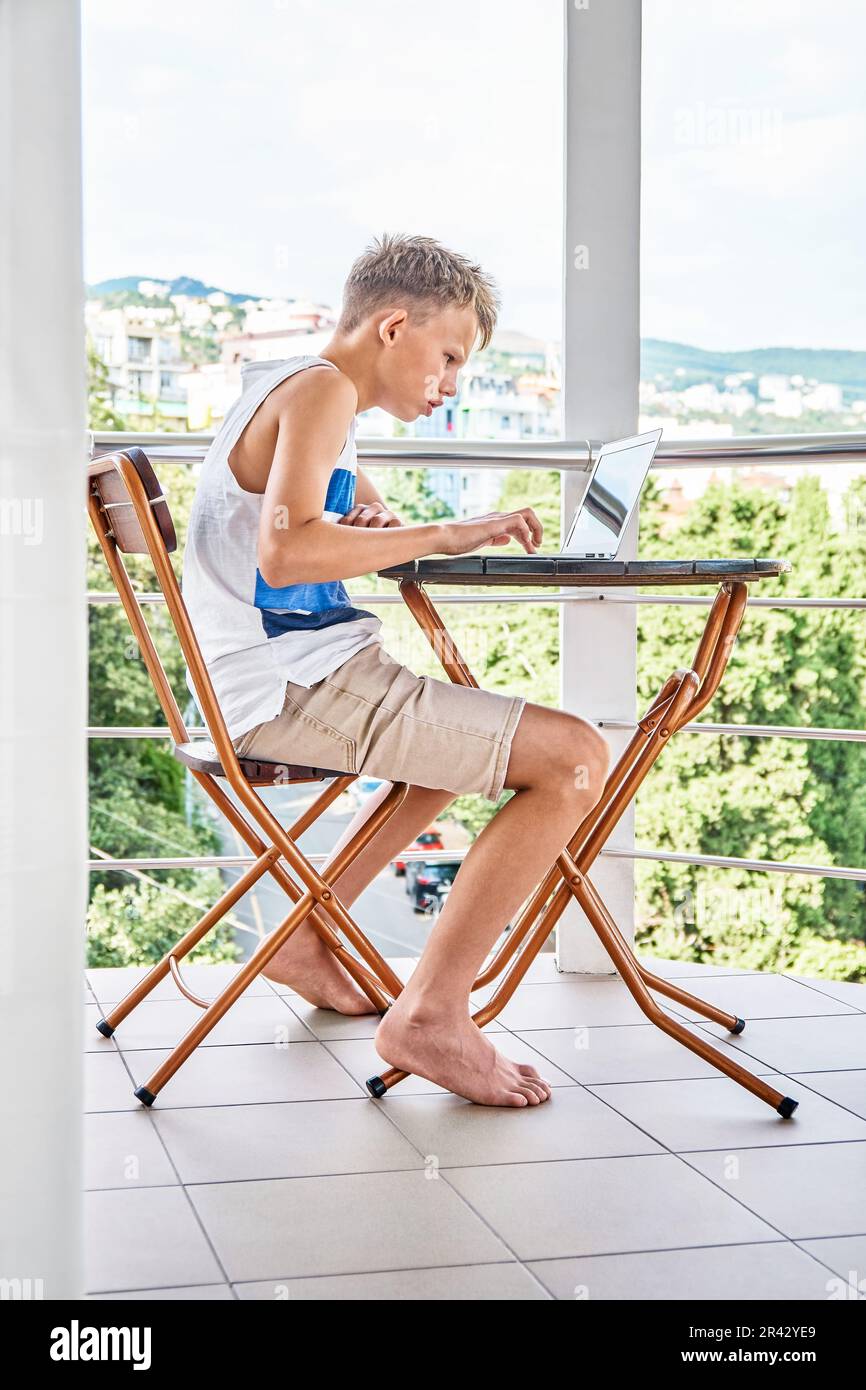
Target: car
[(428, 839), (430, 884)]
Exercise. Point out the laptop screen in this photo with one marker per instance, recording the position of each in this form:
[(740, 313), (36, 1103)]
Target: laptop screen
[(611, 497)]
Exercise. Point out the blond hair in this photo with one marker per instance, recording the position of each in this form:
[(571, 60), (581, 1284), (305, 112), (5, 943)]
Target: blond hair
[(423, 271)]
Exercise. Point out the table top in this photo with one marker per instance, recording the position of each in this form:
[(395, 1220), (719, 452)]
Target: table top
[(541, 570)]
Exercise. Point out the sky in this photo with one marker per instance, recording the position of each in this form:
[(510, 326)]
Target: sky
[(260, 146)]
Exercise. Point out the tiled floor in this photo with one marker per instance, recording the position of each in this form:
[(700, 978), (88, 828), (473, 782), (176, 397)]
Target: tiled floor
[(265, 1171)]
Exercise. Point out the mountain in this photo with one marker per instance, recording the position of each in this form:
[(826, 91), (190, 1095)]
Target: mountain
[(660, 358), (182, 284)]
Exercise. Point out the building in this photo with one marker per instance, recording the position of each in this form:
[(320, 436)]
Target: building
[(141, 347)]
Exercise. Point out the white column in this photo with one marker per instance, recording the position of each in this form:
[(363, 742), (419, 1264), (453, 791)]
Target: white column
[(42, 649), (600, 373)]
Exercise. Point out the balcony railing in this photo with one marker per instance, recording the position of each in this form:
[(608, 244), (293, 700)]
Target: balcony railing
[(562, 456)]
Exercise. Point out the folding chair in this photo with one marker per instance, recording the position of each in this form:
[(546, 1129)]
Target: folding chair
[(131, 515)]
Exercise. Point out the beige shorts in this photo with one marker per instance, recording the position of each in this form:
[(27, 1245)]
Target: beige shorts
[(376, 717)]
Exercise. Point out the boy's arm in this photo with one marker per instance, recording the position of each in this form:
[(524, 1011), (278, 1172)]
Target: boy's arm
[(296, 545)]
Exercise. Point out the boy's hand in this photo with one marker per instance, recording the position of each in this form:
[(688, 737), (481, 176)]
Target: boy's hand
[(370, 514), (495, 528)]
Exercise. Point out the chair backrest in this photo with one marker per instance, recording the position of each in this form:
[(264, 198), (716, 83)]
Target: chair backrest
[(108, 485), (131, 515)]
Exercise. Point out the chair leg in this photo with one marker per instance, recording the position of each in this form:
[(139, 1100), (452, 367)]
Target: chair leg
[(319, 891), (266, 860), (222, 1003), (380, 981)]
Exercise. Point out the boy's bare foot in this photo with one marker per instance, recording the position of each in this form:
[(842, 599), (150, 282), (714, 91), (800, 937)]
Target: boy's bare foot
[(456, 1054), (305, 964)]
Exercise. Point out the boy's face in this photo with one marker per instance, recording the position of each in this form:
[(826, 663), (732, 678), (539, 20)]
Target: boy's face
[(420, 367)]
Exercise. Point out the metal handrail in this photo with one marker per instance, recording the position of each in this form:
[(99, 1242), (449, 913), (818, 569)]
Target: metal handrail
[(588, 596), (240, 861), (799, 731), (566, 455)]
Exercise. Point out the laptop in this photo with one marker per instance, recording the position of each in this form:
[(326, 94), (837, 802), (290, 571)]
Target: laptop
[(594, 534), (616, 479)]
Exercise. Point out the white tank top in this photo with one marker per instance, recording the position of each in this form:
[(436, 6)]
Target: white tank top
[(255, 638)]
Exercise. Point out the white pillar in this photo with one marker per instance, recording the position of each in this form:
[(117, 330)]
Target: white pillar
[(42, 649), (600, 375)]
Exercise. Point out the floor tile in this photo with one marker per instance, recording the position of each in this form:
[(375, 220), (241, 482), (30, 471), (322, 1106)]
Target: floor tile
[(570, 1006), (499, 1283), (112, 983), (758, 996), (328, 1025), (107, 1083), (846, 1088), (634, 1052), (716, 1272), (237, 1142), (93, 1039), (123, 1150), (255, 1072), (341, 1225), (572, 1124), (845, 990), (144, 1238), (193, 1292), (251, 1019), (596, 1205), (720, 1113), (789, 1045), (805, 1190), (846, 1255), (682, 969)]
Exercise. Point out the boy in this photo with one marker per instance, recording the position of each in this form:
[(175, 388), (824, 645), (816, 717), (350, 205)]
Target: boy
[(282, 516)]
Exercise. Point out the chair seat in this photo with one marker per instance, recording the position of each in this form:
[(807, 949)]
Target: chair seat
[(201, 756)]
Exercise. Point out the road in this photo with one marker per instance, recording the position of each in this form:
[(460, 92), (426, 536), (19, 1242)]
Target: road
[(383, 911)]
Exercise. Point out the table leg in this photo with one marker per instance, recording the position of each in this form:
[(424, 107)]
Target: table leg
[(685, 693)]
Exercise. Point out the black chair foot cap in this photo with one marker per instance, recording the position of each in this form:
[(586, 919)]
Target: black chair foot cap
[(144, 1095), (376, 1087), (739, 1026), (105, 1028), (787, 1107)]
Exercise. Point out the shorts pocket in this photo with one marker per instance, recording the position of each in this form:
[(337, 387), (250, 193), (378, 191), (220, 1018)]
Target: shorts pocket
[(242, 744), (322, 737)]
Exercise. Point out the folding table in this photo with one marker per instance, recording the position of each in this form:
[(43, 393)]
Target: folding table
[(682, 697)]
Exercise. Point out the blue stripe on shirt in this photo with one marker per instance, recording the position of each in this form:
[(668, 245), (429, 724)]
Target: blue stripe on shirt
[(340, 496), (275, 624), (309, 598), (311, 606)]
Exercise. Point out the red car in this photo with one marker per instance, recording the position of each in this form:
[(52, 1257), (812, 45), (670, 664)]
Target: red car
[(429, 839)]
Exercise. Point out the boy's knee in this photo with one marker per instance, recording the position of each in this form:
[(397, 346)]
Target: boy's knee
[(583, 757)]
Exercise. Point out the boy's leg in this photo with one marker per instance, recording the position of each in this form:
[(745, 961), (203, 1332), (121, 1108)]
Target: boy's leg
[(304, 962), (557, 767)]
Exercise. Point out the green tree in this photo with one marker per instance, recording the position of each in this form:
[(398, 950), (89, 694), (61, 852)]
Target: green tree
[(748, 797)]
